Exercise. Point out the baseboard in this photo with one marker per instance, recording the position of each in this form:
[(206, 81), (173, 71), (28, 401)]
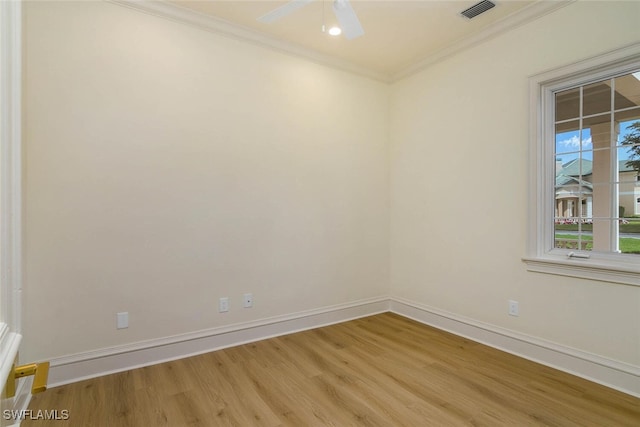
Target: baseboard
[(614, 374), (78, 367)]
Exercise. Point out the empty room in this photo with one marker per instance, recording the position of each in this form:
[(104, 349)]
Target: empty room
[(318, 212)]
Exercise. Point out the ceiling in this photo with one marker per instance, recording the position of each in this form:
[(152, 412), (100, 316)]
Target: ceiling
[(399, 35)]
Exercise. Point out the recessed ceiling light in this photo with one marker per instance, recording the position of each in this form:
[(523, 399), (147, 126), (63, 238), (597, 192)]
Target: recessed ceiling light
[(335, 31)]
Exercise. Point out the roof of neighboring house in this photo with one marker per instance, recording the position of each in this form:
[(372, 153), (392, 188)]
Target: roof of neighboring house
[(568, 180), (584, 167), (564, 181), (576, 167), (625, 166)]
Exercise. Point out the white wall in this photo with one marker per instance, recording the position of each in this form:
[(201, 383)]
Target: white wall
[(459, 135), (167, 167)]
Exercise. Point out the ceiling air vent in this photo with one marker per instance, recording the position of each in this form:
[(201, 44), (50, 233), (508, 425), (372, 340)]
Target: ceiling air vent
[(477, 9)]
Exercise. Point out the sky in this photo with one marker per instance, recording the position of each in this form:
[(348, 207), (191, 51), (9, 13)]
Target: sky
[(568, 144)]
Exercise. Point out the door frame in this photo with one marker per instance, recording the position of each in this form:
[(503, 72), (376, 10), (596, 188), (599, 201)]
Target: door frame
[(11, 195)]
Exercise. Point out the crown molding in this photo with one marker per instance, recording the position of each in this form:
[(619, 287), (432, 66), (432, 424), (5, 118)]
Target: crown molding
[(516, 19), (219, 26), (215, 25)]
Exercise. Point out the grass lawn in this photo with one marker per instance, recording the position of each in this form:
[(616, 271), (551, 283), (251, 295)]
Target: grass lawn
[(632, 227), (627, 245)]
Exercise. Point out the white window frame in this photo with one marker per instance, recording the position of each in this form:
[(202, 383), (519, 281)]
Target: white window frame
[(541, 256)]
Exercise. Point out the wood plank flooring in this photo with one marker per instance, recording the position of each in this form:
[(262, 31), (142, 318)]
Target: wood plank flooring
[(383, 370)]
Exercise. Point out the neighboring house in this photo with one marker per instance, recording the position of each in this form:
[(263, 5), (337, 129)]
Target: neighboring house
[(574, 188)]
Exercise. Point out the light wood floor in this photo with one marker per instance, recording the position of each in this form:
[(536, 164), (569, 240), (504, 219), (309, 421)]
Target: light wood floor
[(383, 370)]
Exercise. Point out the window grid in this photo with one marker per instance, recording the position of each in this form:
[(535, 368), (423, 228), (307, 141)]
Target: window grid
[(581, 214), (550, 151)]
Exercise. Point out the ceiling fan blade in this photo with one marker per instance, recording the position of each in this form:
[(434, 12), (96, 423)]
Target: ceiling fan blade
[(283, 10), (348, 19)]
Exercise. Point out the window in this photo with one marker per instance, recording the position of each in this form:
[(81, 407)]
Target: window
[(585, 154)]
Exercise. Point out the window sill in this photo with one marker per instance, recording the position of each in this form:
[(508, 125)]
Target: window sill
[(585, 269)]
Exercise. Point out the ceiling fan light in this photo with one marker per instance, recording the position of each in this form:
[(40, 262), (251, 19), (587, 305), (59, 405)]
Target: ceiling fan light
[(335, 31), (339, 4)]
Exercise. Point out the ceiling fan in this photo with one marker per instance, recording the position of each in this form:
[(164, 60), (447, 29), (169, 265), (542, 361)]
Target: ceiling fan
[(342, 8)]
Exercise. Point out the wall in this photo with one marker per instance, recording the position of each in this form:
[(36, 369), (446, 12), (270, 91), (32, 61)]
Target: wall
[(459, 135), (167, 167), (629, 190)]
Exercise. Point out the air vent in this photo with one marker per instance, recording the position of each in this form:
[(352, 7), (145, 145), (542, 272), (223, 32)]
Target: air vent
[(477, 9)]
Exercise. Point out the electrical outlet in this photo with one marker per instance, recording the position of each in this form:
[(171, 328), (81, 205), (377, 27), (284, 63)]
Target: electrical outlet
[(514, 310), (122, 320), (223, 305), (248, 300)]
